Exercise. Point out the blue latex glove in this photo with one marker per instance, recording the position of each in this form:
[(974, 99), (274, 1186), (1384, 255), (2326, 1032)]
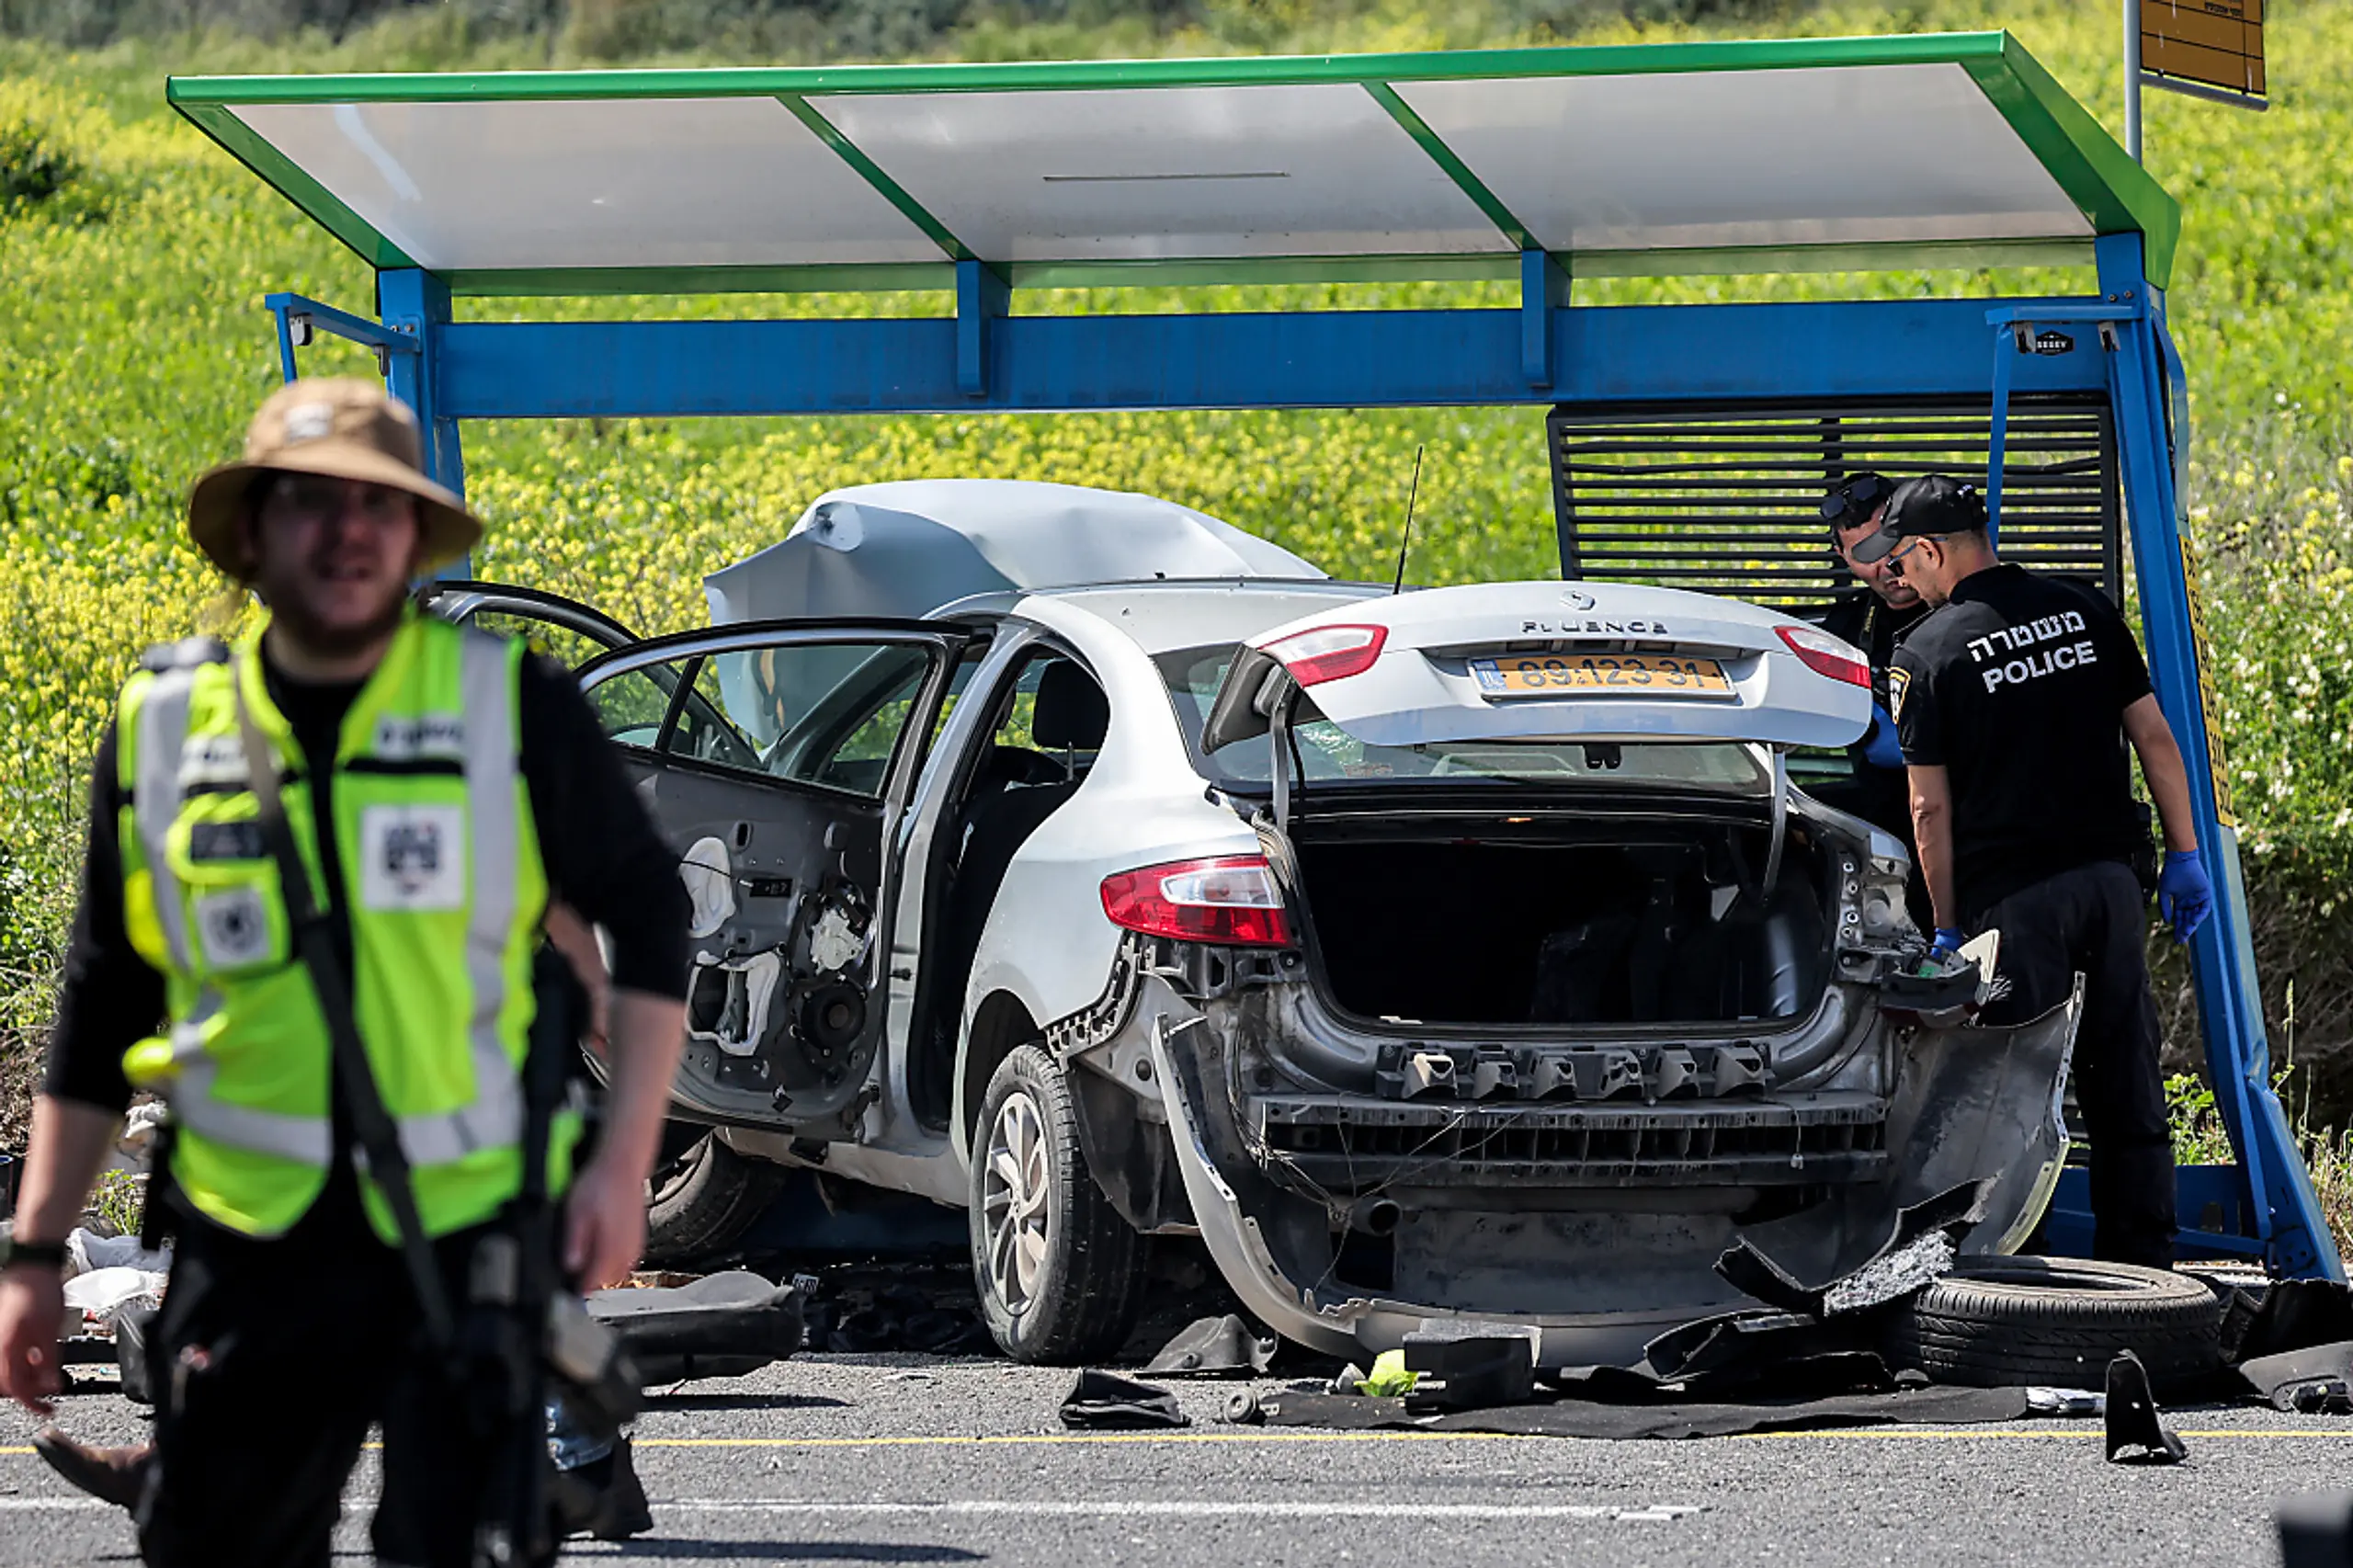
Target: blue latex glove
[(1945, 942), (2184, 895), (1880, 746)]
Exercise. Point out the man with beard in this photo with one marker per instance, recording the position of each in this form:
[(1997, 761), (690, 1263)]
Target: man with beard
[(347, 1048), (1873, 615)]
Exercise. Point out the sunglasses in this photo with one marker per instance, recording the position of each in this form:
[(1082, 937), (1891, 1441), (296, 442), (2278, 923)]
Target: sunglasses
[(1856, 499)]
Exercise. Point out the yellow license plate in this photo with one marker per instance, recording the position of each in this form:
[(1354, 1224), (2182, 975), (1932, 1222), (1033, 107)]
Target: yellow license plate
[(1599, 675)]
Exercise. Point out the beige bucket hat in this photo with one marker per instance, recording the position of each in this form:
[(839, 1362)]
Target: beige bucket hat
[(344, 428)]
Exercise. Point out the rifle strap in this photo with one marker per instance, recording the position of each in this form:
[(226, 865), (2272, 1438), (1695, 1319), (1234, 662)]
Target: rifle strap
[(378, 1135)]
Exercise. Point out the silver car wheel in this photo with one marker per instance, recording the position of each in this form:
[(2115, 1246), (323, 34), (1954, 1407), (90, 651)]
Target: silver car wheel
[(1014, 1208)]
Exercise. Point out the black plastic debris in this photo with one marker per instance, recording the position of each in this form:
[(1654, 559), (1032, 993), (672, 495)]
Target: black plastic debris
[(2294, 1314), (1470, 1372), (722, 1326), (852, 1313), (133, 1328), (1213, 1347), (1920, 1246), (2135, 1436), (1665, 1418), (2315, 1381), (1102, 1401), (2317, 1530)]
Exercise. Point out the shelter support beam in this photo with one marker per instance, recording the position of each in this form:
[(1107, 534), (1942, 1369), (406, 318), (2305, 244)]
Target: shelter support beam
[(415, 306), (982, 299), (1543, 290), (2282, 1205), (1319, 359)]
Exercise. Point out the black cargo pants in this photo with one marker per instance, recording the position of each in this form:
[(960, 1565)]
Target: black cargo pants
[(2092, 920), (274, 1358)]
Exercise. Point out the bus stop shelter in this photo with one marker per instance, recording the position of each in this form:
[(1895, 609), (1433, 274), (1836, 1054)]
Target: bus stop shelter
[(1689, 444)]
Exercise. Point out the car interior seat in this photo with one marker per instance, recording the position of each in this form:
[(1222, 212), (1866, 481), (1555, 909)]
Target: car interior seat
[(1072, 716)]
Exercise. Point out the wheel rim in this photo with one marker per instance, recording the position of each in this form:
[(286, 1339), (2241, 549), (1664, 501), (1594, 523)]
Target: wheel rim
[(1014, 1182)]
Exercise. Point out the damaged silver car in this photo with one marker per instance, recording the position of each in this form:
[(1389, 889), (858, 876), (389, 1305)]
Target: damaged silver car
[(1455, 958)]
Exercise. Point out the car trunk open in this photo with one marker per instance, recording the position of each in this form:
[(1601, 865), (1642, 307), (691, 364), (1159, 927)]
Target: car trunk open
[(1528, 918)]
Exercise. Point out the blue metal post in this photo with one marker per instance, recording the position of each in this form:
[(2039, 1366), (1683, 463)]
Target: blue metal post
[(415, 303), (981, 297), (1543, 290), (2284, 1211)]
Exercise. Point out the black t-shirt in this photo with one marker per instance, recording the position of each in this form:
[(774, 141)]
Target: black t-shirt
[(1879, 795), (2017, 687), (602, 855)]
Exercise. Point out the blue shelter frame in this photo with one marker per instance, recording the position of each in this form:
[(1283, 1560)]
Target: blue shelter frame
[(1546, 351)]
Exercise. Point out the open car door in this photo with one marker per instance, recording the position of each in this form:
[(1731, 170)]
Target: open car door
[(778, 758), (564, 629)]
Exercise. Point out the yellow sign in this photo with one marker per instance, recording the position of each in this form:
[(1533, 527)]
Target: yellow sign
[(2217, 42), (2217, 767)]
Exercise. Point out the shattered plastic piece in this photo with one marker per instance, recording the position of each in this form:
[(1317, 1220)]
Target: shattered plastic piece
[(1099, 1401), (2066, 1402), (1349, 1381), (1893, 1276), (2313, 1381), (1463, 1373), (1213, 1347), (1909, 1251), (2135, 1436), (722, 1326)]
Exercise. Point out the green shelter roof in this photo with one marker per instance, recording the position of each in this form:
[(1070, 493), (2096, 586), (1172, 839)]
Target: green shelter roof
[(1798, 156)]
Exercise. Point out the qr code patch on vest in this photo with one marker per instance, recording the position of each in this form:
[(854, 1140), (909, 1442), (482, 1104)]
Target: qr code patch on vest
[(412, 857)]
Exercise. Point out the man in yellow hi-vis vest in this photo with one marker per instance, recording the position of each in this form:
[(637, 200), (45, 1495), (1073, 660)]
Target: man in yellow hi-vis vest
[(436, 788)]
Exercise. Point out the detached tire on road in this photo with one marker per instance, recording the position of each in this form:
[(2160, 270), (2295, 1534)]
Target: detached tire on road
[(2056, 1321), (698, 1203), (1061, 1274)]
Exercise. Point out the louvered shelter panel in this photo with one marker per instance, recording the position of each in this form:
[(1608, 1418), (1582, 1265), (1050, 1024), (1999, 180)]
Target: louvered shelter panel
[(1726, 498)]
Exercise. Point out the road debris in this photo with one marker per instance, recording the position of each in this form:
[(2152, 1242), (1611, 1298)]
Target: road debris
[(1101, 1401), (2135, 1436)]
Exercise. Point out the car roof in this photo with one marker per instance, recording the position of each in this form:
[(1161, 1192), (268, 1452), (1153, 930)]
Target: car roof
[(1162, 615), (905, 549)]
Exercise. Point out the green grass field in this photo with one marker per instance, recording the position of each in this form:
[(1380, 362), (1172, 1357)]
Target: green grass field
[(133, 255)]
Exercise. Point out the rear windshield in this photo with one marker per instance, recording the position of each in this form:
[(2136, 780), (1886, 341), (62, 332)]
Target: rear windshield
[(1328, 754)]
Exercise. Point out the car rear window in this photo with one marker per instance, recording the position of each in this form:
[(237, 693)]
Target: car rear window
[(1328, 754)]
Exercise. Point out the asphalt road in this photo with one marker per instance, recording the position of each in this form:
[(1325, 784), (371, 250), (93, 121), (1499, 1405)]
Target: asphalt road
[(912, 1460)]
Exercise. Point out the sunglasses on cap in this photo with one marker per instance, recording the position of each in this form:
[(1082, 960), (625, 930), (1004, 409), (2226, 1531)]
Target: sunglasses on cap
[(1853, 501)]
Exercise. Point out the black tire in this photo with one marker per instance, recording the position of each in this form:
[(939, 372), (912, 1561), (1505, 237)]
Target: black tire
[(2057, 1322), (700, 1202), (1078, 1295)]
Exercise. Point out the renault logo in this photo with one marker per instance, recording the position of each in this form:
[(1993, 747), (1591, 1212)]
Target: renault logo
[(1576, 599)]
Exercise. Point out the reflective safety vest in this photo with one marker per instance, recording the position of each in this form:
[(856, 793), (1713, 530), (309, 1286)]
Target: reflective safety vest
[(442, 885)]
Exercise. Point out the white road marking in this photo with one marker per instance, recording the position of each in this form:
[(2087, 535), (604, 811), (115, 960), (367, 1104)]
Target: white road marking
[(55, 1505), (1135, 1508)]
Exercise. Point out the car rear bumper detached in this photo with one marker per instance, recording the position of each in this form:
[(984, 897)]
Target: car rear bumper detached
[(1593, 1229)]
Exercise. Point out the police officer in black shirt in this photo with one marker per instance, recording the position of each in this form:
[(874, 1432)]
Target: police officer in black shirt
[(2015, 700), (1872, 615)]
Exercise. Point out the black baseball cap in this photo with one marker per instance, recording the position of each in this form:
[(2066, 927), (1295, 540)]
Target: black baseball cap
[(1926, 508)]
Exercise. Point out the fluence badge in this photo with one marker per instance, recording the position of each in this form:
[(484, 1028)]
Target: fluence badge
[(412, 857), (1899, 681)]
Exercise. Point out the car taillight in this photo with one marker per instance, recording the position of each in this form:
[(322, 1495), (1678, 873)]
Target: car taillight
[(1231, 900), (1826, 655), (1329, 653)]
